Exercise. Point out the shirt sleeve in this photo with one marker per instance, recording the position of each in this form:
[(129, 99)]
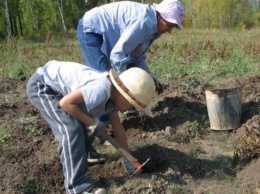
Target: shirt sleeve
[(94, 96), (135, 34)]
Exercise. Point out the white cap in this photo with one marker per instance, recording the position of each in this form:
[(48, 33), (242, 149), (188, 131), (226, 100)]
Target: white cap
[(172, 11)]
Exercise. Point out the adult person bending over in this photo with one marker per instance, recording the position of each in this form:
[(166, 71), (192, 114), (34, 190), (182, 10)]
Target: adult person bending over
[(70, 96), (118, 35)]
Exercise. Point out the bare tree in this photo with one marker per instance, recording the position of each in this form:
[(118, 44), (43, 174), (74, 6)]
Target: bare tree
[(60, 6), (9, 27)]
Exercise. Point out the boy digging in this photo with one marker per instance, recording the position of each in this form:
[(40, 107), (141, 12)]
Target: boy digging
[(70, 96)]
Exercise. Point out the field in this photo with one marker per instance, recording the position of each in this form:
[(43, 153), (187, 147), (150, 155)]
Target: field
[(186, 156)]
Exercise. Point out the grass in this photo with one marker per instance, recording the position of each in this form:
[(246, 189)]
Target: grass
[(201, 54), (34, 130), (4, 137), (30, 128), (178, 189), (32, 185), (196, 151), (111, 151)]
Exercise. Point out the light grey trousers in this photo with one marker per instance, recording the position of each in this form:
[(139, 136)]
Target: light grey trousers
[(68, 131)]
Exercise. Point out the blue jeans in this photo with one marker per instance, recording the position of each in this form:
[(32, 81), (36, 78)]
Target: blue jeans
[(91, 49)]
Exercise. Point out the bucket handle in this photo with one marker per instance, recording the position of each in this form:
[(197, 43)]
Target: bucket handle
[(218, 74)]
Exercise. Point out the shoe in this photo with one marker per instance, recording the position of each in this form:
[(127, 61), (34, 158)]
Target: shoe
[(130, 168), (94, 190), (96, 158)]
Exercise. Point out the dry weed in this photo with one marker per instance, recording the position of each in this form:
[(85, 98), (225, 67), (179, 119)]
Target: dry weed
[(249, 139)]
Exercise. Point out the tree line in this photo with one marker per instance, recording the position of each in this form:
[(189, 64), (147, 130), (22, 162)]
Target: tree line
[(29, 17)]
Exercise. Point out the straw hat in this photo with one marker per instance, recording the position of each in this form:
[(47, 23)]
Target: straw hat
[(137, 86)]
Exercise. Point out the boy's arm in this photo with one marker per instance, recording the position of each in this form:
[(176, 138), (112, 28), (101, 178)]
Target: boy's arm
[(118, 130), (71, 104)]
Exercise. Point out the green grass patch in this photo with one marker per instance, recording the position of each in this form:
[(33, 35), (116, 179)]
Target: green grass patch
[(180, 189), (32, 129), (199, 53), (4, 137)]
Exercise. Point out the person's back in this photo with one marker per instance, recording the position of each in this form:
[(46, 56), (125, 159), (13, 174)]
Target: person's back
[(118, 16), (118, 35), (121, 24), (58, 75)]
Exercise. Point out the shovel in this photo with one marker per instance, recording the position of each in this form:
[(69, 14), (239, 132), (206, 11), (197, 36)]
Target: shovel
[(126, 154)]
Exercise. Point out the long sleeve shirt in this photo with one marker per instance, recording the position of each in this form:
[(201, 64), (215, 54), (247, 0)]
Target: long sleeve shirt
[(128, 29)]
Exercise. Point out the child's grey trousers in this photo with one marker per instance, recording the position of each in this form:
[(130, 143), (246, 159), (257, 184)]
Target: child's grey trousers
[(68, 131)]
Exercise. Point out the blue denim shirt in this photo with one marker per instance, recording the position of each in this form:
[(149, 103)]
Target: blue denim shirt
[(128, 29)]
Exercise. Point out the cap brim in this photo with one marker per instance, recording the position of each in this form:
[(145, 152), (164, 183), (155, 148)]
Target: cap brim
[(114, 77)]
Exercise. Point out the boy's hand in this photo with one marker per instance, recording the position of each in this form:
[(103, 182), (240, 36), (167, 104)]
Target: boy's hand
[(99, 130)]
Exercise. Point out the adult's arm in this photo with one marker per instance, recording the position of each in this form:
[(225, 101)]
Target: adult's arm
[(134, 35)]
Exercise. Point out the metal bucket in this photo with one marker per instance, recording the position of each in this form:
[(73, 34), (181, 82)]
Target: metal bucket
[(224, 108)]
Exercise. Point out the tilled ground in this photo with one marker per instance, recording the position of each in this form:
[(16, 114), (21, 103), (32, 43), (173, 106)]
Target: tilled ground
[(186, 156)]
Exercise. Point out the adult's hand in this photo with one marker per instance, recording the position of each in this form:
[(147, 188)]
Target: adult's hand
[(158, 84)]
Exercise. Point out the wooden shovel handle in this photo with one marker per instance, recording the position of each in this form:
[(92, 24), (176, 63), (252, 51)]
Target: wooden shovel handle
[(125, 153)]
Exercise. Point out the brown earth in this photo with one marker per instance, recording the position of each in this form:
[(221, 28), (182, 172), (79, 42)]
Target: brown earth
[(186, 156)]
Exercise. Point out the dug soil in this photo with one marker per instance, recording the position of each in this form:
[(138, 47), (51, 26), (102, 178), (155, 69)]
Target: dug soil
[(186, 156)]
